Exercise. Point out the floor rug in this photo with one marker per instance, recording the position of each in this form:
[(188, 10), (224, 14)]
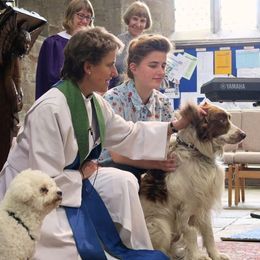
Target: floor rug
[(249, 236), (240, 250)]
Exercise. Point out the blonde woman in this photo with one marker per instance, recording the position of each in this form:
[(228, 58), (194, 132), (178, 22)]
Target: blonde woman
[(137, 18)]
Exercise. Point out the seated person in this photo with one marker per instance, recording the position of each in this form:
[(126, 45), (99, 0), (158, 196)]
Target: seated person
[(139, 98)]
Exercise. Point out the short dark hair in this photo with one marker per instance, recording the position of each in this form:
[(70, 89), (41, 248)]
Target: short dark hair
[(74, 7), (90, 45), (138, 9), (141, 46)]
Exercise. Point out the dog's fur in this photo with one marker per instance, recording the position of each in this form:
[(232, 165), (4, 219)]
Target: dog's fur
[(29, 198), (178, 204)]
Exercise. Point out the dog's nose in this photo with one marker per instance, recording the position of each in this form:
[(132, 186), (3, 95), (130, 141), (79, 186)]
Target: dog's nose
[(59, 193), (243, 135)]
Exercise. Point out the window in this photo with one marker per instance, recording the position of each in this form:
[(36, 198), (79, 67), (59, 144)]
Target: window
[(216, 19), (192, 15), (238, 15)]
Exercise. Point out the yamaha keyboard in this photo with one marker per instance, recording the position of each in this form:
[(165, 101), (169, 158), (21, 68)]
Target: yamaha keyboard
[(232, 89)]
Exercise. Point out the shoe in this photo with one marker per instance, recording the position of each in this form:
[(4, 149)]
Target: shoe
[(254, 215)]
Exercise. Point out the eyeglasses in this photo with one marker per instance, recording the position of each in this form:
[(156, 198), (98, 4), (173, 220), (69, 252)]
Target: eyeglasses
[(87, 17)]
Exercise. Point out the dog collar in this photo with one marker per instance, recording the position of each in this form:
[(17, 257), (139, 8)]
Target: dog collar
[(19, 221), (188, 145)]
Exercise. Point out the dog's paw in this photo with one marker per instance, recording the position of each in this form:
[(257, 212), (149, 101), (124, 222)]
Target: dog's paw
[(203, 257), (178, 254), (197, 256), (221, 257)]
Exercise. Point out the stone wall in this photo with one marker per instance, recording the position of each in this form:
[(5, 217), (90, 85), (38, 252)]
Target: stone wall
[(108, 13)]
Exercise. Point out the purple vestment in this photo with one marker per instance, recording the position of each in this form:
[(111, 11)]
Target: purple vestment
[(50, 62)]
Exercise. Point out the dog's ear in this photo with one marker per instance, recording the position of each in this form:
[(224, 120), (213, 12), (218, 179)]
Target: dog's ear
[(202, 125), (22, 192), (190, 111), (202, 129)]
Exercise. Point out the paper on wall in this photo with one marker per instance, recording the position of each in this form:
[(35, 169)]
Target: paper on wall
[(248, 73), (248, 58), (204, 68), (191, 62)]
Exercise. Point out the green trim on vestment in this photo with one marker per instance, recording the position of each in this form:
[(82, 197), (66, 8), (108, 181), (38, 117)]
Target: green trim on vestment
[(79, 115), (100, 119)]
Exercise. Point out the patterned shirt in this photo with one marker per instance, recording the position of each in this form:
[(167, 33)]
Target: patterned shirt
[(127, 103)]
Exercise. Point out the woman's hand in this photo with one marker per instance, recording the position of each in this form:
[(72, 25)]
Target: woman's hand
[(201, 111), (168, 165), (88, 168), (184, 121)]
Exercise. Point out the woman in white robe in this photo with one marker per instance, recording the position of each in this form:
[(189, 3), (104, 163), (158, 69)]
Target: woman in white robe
[(47, 142)]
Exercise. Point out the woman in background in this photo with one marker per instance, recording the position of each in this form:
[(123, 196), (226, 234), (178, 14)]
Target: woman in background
[(138, 18), (79, 14)]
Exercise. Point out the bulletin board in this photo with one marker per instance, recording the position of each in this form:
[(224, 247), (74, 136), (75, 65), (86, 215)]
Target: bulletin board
[(190, 85)]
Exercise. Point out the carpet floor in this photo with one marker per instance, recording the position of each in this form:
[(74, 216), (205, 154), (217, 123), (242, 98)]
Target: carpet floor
[(240, 250)]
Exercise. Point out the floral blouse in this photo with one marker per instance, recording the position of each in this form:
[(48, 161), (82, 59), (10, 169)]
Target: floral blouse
[(126, 102)]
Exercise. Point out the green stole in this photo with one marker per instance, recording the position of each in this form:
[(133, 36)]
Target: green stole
[(79, 116)]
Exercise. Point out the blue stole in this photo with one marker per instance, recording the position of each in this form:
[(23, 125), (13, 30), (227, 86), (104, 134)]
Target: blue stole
[(91, 224)]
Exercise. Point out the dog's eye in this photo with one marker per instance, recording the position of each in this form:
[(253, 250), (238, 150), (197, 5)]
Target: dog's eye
[(44, 190)]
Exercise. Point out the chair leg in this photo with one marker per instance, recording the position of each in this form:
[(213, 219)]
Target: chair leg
[(237, 184), (242, 185), (230, 186)]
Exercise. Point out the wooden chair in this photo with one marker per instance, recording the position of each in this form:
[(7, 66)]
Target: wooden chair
[(228, 157), (229, 177), (241, 173), (247, 161)]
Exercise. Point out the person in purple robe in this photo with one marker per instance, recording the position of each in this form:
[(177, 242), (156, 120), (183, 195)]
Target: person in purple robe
[(79, 14)]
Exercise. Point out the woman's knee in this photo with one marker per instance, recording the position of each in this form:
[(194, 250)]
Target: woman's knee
[(129, 180)]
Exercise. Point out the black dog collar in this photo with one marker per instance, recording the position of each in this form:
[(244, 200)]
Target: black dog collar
[(19, 221), (188, 145)]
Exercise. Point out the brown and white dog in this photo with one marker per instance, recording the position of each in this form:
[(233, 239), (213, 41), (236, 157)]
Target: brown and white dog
[(178, 204)]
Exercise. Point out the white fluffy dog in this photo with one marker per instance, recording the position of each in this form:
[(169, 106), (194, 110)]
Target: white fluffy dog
[(178, 204), (30, 197)]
